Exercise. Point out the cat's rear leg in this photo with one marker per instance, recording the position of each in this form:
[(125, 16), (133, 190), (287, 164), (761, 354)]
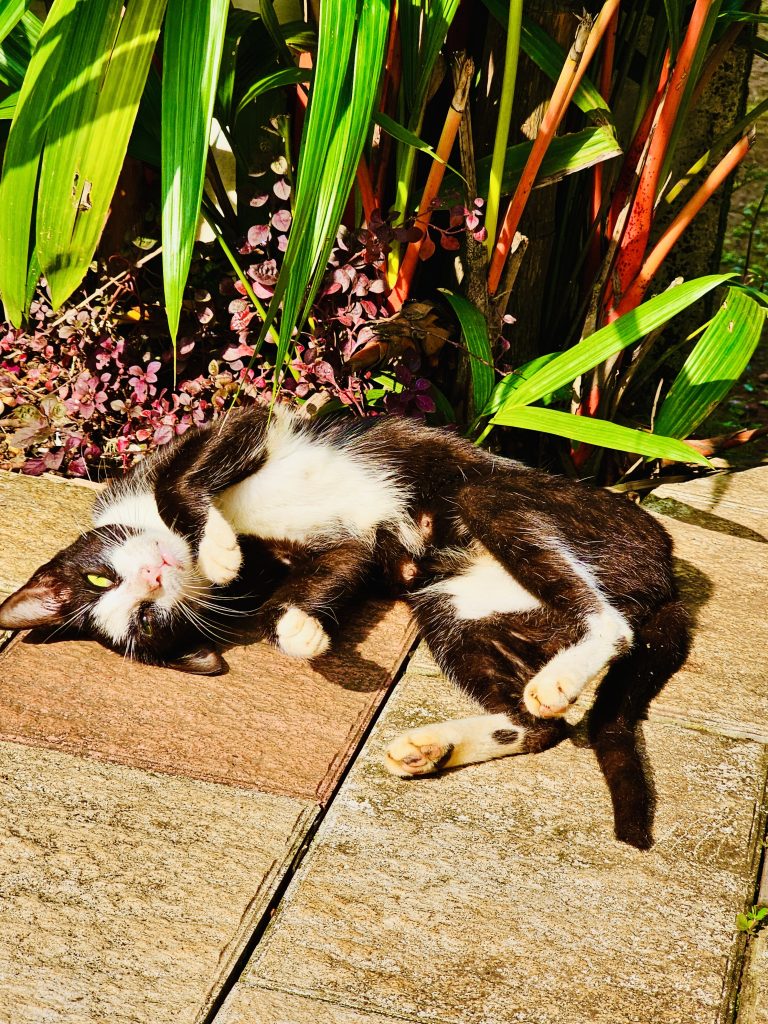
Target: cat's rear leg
[(622, 700), (430, 748), (490, 658)]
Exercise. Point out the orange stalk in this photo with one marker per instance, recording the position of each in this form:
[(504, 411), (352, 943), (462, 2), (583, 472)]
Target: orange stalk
[(635, 240), (402, 287), (606, 77), (576, 64), (634, 294)]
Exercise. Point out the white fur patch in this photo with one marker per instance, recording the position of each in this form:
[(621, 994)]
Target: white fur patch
[(308, 491), (484, 587), (562, 679), (450, 744), (300, 635), (219, 555), (138, 510)]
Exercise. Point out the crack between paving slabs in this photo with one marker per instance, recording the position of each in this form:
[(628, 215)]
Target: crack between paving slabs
[(213, 1004), (737, 961)]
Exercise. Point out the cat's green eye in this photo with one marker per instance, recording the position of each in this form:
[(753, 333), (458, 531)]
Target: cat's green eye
[(99, 581)]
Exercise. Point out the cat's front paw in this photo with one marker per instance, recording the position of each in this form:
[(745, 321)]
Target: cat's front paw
[(300, 635), (418, 752), (550, 695), (219, 556)]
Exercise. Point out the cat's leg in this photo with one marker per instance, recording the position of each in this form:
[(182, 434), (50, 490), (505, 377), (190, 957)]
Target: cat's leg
[(490, 658), (192, 472), (293, 617), (541, 562), (621, 702)]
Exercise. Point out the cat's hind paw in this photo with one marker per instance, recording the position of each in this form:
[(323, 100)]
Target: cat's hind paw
[(219, 556), (418, 752), (300, 635), (550, 696)]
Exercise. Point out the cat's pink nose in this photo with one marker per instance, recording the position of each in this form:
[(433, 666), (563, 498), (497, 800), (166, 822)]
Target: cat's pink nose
[(152, 576)]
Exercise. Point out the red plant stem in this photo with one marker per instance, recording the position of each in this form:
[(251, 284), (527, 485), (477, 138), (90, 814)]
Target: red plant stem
[(402, 286), (631, 164), (574, 68), (635, 240), (634, 294), (389, 91), (365, 185)]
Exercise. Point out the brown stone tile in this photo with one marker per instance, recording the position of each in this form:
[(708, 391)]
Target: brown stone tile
[(271, 723), (127, 896)]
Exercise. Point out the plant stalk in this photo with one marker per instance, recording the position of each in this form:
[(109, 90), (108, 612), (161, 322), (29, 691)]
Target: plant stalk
[(511, 59)]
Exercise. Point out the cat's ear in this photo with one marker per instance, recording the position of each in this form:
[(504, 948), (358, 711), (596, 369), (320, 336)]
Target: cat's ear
[(205, 661), (38, 603)]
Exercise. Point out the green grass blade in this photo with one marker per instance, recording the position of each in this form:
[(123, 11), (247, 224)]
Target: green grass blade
[(717, 361), (274, 80), (194, 36), (475, 331), (18, 38), (567, 154), (44, 81), (600, 433), (8, 106), (611, 339), (349, 59)]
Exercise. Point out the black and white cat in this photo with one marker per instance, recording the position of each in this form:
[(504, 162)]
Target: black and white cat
[(525, 585)]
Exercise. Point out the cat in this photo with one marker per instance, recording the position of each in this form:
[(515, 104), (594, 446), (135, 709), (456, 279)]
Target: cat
[(525, 585)]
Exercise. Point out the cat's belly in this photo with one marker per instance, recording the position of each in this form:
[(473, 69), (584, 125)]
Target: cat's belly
[(322, 496)]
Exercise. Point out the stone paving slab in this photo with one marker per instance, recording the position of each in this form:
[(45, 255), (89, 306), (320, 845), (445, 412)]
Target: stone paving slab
[(38, 517), (125, 894), (498, 894), (724, 684), (753, 997), (271, 723), (734, 503), (260, 1006)]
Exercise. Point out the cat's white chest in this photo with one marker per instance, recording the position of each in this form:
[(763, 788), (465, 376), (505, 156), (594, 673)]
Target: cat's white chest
[(307, 491)]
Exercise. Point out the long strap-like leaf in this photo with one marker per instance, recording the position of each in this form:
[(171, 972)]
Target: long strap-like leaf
[(599, 432), (717, 361), (194, 35), (609, 340)]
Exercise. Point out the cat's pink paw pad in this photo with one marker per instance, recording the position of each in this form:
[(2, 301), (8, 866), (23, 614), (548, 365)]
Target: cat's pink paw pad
[(549, 698), (417, 753), (300, 635)]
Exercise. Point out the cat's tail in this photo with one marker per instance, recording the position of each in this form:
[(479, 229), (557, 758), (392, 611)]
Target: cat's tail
[(661, 645)]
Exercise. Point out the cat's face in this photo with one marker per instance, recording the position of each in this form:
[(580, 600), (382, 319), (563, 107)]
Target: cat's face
[(136, 591)]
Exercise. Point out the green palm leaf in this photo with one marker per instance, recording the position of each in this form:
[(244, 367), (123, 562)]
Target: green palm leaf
[(194, 35), (717, 361), (609, 340), (344, 88), (599, 432), (475, 331)]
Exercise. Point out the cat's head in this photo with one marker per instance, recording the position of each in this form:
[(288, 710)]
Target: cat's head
[(135, 591)]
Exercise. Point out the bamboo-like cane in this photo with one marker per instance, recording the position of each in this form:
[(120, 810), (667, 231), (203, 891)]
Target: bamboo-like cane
[(402, 286), (587, 40)]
